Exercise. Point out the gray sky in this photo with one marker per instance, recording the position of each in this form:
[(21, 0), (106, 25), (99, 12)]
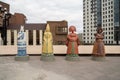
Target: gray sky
[(40, 11)]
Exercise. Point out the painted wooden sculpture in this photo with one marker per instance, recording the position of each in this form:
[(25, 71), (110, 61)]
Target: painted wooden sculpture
[(72, 44)]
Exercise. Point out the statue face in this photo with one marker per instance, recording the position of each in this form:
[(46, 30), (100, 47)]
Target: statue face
[(72, 29), (99, 30)]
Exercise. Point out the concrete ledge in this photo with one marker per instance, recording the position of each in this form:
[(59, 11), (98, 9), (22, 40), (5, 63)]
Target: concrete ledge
[(58, 49)]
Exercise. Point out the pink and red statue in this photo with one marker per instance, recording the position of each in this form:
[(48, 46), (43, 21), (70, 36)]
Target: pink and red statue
[(72, 41)]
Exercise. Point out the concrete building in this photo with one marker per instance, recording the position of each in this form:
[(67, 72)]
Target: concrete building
[(105, 13)]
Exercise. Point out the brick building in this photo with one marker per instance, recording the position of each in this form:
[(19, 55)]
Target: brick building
[(17, 19), (59, 30), (35, 31)]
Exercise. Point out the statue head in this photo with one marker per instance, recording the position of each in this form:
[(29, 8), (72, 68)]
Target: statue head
[(22, 28), (72, 29), (47, 28), (99, 30)]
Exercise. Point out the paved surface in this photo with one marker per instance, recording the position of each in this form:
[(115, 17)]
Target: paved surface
[(34, 69)]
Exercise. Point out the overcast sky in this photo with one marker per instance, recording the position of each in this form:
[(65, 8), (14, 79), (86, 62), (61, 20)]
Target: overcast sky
[(40, 11)]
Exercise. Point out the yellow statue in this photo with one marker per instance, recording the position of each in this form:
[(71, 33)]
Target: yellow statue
[(47, 41)]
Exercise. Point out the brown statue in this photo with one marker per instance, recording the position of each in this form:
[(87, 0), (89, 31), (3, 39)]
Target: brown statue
[(72, 41), (98, 49)]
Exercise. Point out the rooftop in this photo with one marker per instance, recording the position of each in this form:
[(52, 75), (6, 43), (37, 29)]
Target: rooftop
[(60, 69)]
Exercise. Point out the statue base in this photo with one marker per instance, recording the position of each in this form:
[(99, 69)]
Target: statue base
[(22, 58), (72, 57), (47, 57), (98, 58)]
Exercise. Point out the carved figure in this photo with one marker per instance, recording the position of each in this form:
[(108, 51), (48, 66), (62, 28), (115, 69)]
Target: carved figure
[(98, 48), (21, 42), (47, 47), (47, 41), (72, 41)]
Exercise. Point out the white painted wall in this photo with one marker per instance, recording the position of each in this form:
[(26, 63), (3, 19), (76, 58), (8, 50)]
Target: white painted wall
[(58, 49)]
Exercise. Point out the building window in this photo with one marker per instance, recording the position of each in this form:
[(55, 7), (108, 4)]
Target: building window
[(111, 11), (106, 4), (111, 19), (111, 15), (111, 42), (106, 12), (112, 37), (111, 2), (111, 32), (61, 30), (111, 7)]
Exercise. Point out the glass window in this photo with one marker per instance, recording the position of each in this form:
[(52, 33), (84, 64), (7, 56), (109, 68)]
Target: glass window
[(111, 2)]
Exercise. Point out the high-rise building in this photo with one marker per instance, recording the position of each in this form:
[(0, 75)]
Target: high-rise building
[(101, 13)]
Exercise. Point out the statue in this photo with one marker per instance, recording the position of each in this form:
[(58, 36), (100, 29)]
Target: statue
[(98, 48), (72, 44), (21, 42), (47, 47)]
